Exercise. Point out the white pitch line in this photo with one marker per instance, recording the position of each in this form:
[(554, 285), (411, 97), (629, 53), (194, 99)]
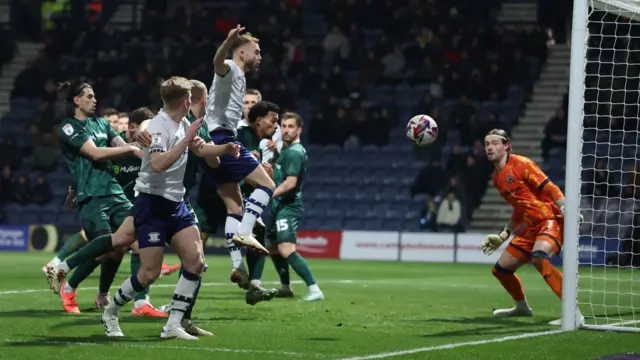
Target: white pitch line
[(335, 282), (170, 347), (452, 346)]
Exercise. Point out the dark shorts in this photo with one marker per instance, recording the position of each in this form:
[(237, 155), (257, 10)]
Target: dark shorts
[(157, 219), (283, 227), (231, 170), (103, 215), (211, 212)]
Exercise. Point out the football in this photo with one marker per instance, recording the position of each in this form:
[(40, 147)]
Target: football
[(422, 130)]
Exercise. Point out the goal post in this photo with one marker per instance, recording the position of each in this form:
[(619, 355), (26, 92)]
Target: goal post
[(605, 35)]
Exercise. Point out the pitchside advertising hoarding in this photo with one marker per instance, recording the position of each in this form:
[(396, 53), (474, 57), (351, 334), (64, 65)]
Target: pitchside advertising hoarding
[(345, 245)]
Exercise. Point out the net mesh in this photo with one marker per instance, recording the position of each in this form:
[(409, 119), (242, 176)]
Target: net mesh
[(608, 284)]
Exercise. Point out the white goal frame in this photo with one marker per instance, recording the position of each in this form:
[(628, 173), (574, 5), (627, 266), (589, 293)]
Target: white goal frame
[(570, 260)]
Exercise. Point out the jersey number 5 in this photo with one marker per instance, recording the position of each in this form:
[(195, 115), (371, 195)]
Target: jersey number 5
[(282, 225)]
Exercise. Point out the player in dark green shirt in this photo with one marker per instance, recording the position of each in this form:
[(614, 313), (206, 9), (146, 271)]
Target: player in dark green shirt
[(286, 206), (262, 122), (88, 144)]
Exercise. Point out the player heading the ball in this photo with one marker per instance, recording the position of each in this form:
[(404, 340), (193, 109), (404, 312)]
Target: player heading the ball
[(538, 206)]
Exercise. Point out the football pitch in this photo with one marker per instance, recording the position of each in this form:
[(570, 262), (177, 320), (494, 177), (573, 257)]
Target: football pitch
[(373, 310)]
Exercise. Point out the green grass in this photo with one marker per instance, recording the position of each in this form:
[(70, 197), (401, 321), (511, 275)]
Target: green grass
[(387, 307)]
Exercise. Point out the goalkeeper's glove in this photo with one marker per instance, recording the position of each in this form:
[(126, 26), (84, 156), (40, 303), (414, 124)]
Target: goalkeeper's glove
[(580, 217), (493, 242)]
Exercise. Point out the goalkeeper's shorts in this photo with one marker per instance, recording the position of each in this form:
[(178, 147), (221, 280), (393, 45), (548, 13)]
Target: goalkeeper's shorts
[(549, 231)]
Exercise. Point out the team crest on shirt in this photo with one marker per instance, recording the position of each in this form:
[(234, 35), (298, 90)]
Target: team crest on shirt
[(154, 237), (67, 129), (157, 138)]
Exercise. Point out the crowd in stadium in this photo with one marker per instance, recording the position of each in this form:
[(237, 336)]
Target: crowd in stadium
[(343, 65)]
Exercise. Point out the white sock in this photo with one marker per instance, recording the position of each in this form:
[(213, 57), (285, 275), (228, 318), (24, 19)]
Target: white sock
[(314, 288), (522, 304), (253, 208), (285, 287), (230, 227), (255, 283), (182, 298), (55, 261), (68, 288), (125, 293), (140, 303), (64, 267)]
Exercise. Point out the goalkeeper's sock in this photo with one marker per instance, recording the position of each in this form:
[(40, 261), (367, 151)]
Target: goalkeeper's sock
[(510, 282), (550, 274)]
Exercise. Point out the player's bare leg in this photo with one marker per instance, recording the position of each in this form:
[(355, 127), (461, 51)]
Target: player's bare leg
[(188, 246), (288, 251), (255, 205), (504, 270), (230, 194)]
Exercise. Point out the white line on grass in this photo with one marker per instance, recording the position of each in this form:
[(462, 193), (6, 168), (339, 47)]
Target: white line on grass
[(169, 347), (408, 282), (453, 346)]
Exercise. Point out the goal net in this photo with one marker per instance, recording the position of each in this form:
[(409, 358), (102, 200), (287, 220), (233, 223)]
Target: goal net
[(607, 278)]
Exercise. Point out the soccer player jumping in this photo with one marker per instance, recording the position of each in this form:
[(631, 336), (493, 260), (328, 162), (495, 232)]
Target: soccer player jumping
[(224, 112), (538, 204)]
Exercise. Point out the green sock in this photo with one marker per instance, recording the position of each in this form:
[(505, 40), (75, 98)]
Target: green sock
[(301, 268), (82, 272), (255, 263), (74, 243), (108, 273), (97, 247), (282, 268), (135, 266)]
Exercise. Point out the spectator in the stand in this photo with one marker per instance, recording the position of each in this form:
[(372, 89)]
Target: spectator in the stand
[(477, 184), (555, 134), (596, 182), (6, 185), (41, 191), (21, 190), (430, 180), (370, 68), (10, 153), (335, 44), (393, 63), (457, 161), (449, 213), (46, 154)]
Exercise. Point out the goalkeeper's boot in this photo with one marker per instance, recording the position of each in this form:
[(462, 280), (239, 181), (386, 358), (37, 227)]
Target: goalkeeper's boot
[(284, 293), (102, 300), (314, 294), (240, 277), (168, 269), (191, 329), (176, 332), (521, 309), (249, 241), (110, 321), (69, 302), (257, 293)]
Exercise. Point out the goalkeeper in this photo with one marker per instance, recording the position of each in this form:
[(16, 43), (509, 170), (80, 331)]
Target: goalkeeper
[(538, 205)]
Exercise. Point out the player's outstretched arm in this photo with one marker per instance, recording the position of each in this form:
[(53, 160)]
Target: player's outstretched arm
[(212, 151), (287, 185), (221, 54), (91, 151), (119, 142)]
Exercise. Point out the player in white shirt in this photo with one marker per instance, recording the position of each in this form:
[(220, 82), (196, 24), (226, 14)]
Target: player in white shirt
[(160, 213), (224, 113)]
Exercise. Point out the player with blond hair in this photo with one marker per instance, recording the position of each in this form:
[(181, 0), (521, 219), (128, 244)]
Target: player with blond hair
[(538, 206), (224, 113), (160, 213)]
